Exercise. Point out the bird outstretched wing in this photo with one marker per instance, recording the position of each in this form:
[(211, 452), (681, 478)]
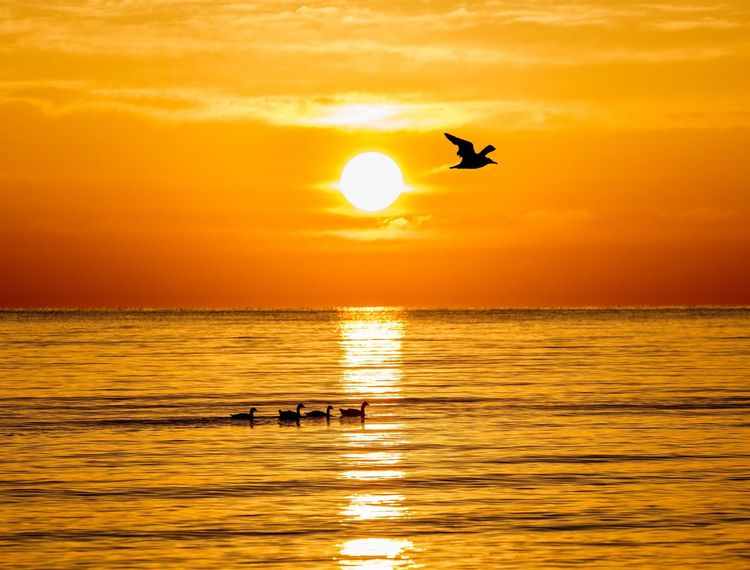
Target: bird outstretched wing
[(465, 148)]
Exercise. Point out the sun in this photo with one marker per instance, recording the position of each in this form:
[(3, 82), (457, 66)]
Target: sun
[(371, 181)]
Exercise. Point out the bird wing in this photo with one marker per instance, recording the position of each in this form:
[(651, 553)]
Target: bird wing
[(488, 149), (465, 148)]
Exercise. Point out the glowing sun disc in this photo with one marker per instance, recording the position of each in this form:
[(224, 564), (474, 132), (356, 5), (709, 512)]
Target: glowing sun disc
[(371, 181)]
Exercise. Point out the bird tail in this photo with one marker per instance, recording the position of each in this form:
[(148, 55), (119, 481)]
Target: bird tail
[(489, 148)]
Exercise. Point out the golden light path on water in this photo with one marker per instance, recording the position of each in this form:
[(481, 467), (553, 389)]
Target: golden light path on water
[(371, 365), (371, 351)]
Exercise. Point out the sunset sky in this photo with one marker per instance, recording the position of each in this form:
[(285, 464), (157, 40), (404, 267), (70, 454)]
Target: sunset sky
[(162, 153)]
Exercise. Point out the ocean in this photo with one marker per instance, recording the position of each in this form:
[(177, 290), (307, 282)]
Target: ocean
[(581, 438)]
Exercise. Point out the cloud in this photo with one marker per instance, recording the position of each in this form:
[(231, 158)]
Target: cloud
[(352, 30), (370, 111), (403, 223), (702, 23), (342, 111), (394, 228), (558, 216), (702, 214), (388, 66), (46, 95)]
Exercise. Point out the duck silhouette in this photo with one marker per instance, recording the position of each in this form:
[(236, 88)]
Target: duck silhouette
[(354, 412), (289, 415), (248, 416), (470, 158), (320, 414)]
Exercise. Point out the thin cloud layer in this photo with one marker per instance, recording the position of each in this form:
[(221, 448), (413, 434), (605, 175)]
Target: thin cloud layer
[(391, 66)]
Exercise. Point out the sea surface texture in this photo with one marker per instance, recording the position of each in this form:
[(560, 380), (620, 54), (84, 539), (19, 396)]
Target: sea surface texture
[(494, 439)]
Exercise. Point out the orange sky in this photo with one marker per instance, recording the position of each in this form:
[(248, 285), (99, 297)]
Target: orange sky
[(159, 153)]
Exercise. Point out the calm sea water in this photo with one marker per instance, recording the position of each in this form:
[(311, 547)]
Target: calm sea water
[(494, 439)]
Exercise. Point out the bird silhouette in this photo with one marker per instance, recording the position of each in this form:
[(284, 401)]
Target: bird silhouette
[(470, 158), (320, 414), (354, 412), (248, 416), (290, 415)]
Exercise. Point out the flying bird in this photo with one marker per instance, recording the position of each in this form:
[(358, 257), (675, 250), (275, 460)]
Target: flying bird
[(470, 158)]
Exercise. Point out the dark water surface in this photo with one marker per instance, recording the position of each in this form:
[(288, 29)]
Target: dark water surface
[(495, 439)]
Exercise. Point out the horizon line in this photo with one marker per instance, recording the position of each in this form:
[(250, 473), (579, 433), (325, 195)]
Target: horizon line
[(372, 308)]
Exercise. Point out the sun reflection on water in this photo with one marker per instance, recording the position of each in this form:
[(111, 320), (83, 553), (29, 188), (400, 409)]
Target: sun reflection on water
[(370, 340), (375, 457), (371, 351), (370, 474), (372, 553), (367, 506)]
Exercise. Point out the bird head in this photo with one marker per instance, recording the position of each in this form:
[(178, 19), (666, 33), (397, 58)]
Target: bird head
[(365, 404), (253, 410)]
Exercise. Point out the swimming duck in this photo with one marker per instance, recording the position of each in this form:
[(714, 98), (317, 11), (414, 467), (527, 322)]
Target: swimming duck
[(354, 412), (247, 416), (320, 414), (290, 415)]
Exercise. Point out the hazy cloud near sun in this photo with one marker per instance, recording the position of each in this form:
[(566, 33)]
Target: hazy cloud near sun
[(378, 229), (405, 112), (349, 110), (380, 65)]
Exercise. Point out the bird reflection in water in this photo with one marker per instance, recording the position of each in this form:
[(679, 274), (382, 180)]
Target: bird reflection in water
[(370, 340)]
